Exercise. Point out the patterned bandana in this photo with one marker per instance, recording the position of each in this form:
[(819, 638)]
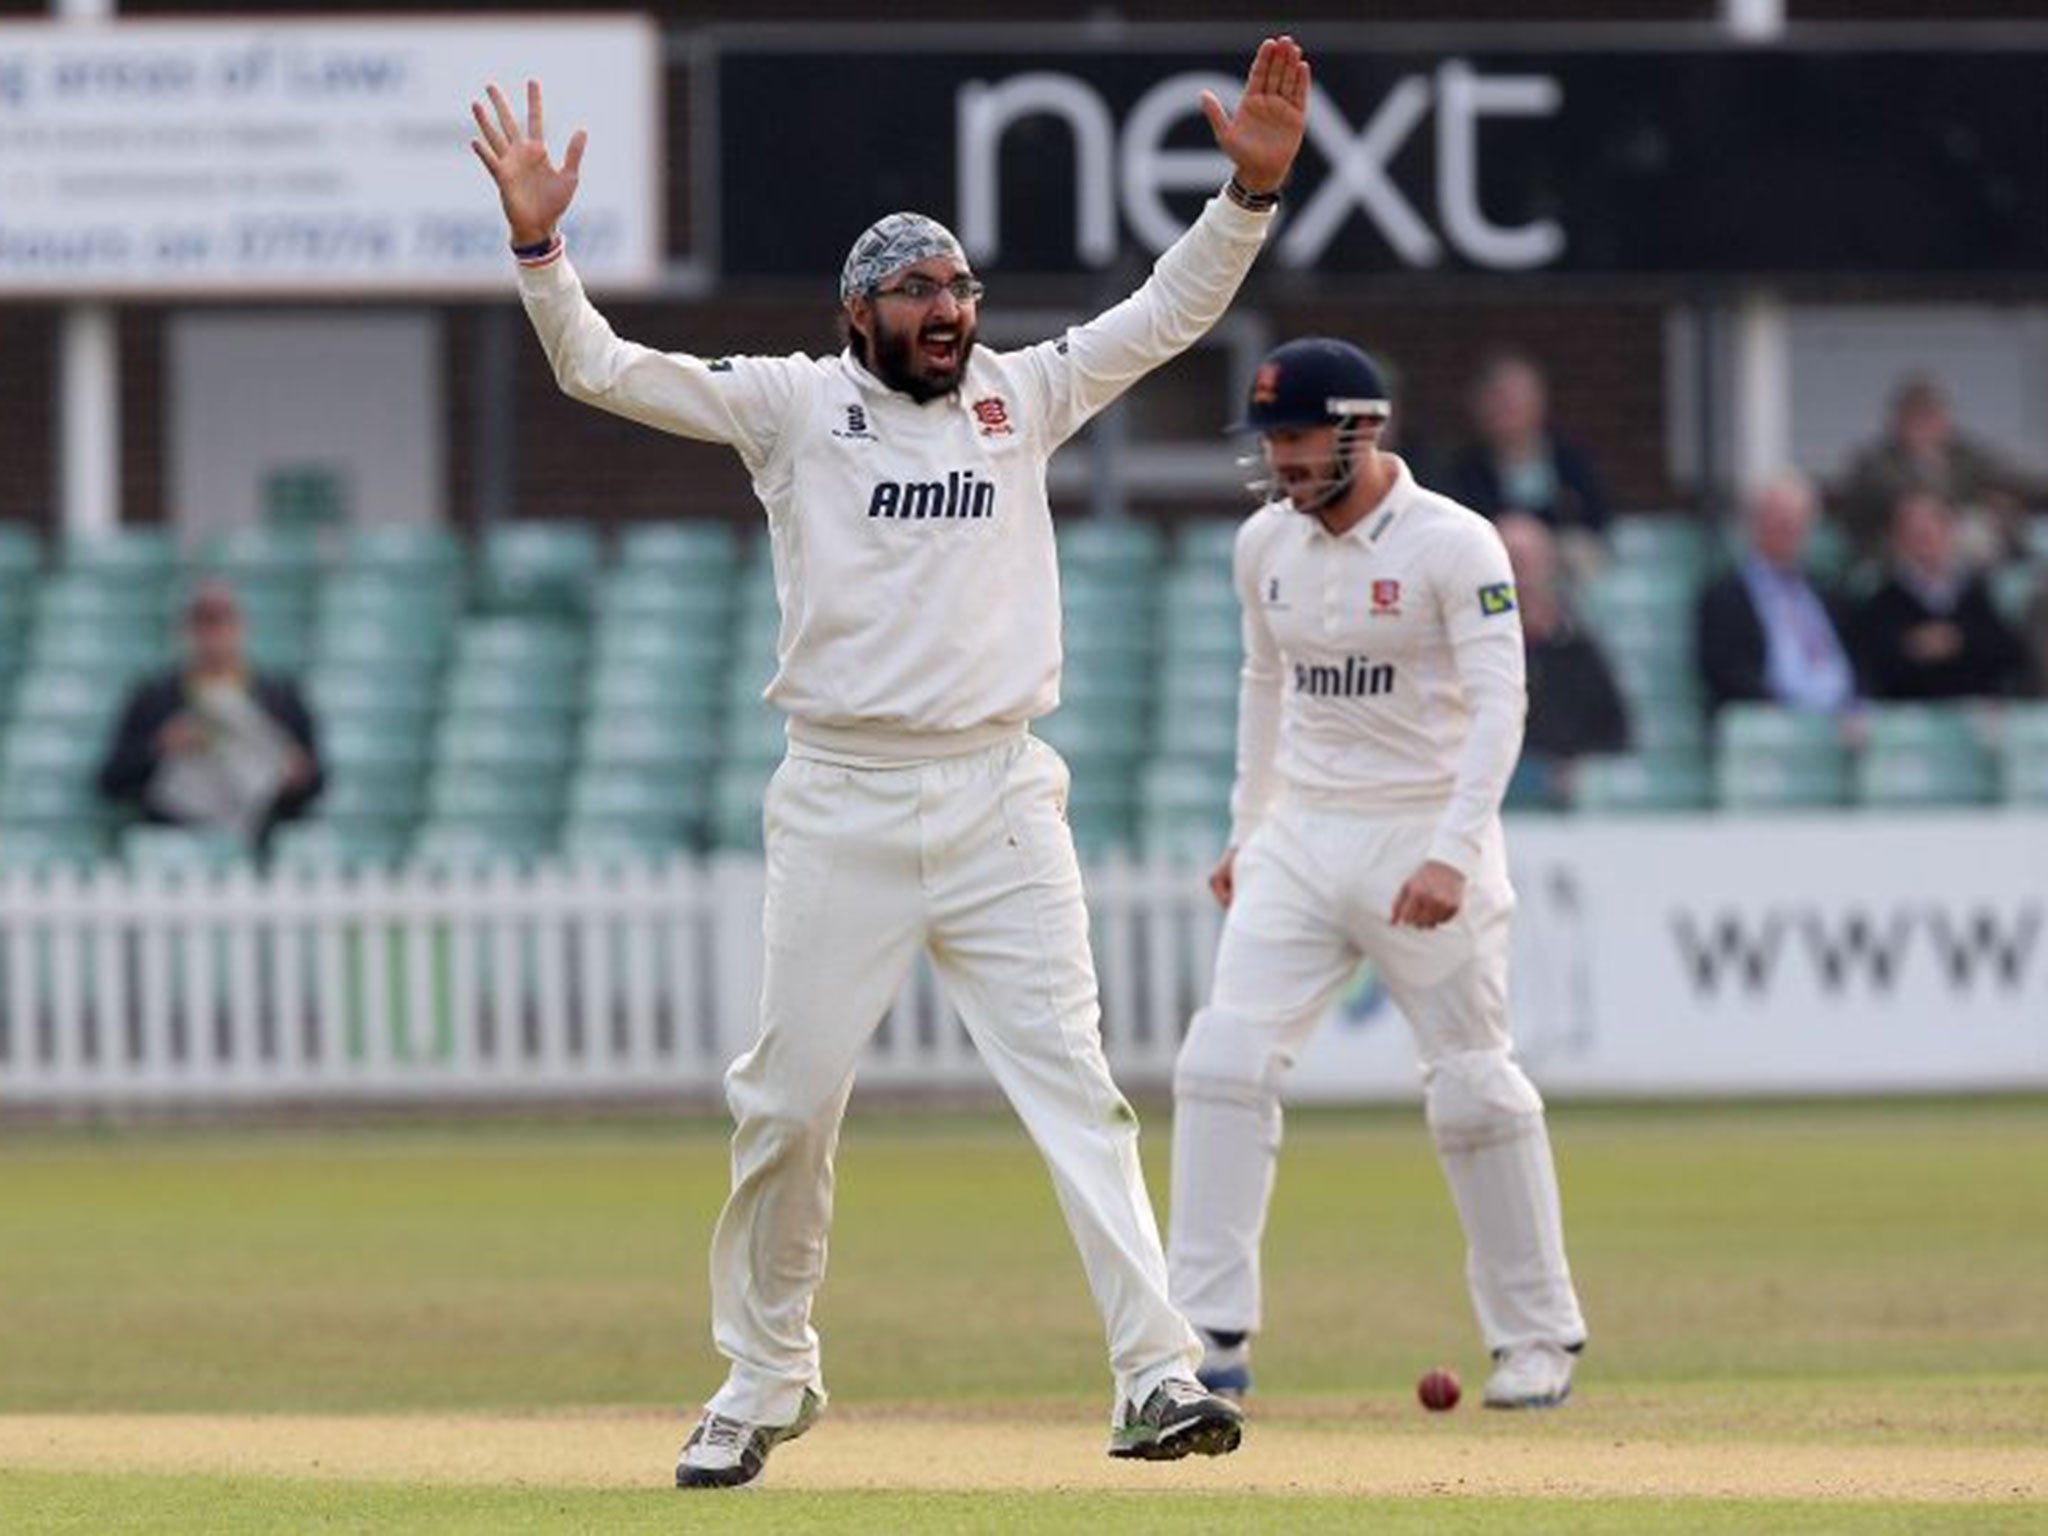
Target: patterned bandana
[(889, 245)]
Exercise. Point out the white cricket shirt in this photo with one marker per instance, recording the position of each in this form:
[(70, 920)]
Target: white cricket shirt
[(1383, 667), (913, 544)]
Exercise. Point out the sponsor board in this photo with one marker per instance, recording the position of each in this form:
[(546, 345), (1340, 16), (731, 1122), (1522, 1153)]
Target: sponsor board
[(1830, 954), (236, 158)]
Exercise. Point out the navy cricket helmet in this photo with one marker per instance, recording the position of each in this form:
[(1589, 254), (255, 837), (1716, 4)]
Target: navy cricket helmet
[(1314, 382)]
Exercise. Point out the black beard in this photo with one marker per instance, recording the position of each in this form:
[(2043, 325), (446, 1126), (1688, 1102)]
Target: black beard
[(895, 364)]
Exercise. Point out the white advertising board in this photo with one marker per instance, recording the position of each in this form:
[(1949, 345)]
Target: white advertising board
[(239, 158), (1802, 955)]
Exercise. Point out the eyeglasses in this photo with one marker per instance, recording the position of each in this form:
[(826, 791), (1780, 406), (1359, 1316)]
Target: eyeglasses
[(923, 290)]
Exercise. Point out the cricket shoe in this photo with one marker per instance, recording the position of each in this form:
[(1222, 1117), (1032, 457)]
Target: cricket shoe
[(1180, 1418), (1530, 1376), (1226, 1369), (723, 1452)]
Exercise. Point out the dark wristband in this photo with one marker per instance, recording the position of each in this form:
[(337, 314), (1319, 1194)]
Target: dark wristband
[(1245, 197), (538, 249)]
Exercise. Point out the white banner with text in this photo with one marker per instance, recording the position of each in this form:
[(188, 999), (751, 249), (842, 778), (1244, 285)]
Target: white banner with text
[(231, 158), (1800, 955)]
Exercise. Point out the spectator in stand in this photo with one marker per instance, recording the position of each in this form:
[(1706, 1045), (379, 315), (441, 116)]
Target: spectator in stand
[(1574, 706), (2034, 637), (212, 744), (1924, 452), (1766, 633), (1931, 630), (1514, 463)]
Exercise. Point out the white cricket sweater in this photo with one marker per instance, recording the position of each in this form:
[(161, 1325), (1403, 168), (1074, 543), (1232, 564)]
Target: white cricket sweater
[(1383, 667), (913, 544)]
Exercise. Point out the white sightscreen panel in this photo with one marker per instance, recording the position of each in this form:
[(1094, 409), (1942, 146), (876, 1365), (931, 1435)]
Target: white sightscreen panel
[(229, 158)]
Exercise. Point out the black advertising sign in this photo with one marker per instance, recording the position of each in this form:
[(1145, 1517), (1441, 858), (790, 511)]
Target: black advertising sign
[(1641, 162)]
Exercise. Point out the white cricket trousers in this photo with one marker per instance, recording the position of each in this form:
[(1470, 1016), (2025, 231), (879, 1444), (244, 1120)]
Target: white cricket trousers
[(970, 859), (1315, 888)]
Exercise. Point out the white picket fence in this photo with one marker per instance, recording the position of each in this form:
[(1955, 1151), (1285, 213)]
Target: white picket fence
[(584, 981)]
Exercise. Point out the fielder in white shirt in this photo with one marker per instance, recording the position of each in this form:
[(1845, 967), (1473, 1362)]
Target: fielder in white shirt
[(1380, 717), (904, 483)]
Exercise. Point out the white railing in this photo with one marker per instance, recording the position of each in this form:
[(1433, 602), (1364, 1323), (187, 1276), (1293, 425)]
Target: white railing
[(1719, 954), (120, 987)]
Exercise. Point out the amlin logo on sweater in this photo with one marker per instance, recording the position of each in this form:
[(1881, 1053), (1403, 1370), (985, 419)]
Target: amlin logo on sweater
[(961, 494)]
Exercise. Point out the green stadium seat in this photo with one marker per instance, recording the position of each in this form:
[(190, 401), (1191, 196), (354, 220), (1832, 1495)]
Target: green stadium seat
[(49, 748), (1108, 545), (755, 734), (337, 690), (526, 747), (1768, 758), (690, 549), (737, 793), (1117, 681), (1094, 732), (701, 603), (379, 794), (402, 549), (1208, 544), (488, 688), (68, 600), (377, 742), (391, 643), (1186, 809), (1199, 680), (1102, 811), (538, 568), (113, 649), (307, 847), (1673, 542), (1637, 784), (609, 843), (628, 798), (38, 848), (473, 845), (86, 698), (674, 643), (145, 558), (21, 555), (1924, 755), (1666, 727), (1899, 778), (520, 643), (628, 687), (1206, 734), (1944, 728), (678, 746), (260, 557), (148, 849)]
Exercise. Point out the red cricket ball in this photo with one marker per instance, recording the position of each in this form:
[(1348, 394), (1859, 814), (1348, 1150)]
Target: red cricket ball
[(1438, 1390)]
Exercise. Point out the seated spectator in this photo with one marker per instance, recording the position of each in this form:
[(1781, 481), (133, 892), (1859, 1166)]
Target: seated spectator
[(1574, 706), (1516, 465), (212, 744), (1766, 634), (2034, 638), (1931, 631), (1924, 452)]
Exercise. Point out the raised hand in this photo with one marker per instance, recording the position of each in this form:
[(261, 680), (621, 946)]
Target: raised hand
[(1265, 134), (535, 191)]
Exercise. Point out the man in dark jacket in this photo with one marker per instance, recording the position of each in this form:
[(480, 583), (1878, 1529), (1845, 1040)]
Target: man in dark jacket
[(1516, 464), (1931, 631), (1766, 633), (1575, 708), (213, 744)]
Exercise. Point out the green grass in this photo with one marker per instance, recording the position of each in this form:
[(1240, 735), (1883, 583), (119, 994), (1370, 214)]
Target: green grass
[(170, 1506), (1868, 1272)]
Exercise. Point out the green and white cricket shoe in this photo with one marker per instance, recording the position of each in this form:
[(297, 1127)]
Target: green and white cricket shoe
[(1530, 1376), (724, 1453), (1180, 1418)]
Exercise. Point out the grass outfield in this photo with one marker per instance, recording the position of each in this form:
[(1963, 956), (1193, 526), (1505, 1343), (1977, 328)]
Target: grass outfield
[(1795, 1302)]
